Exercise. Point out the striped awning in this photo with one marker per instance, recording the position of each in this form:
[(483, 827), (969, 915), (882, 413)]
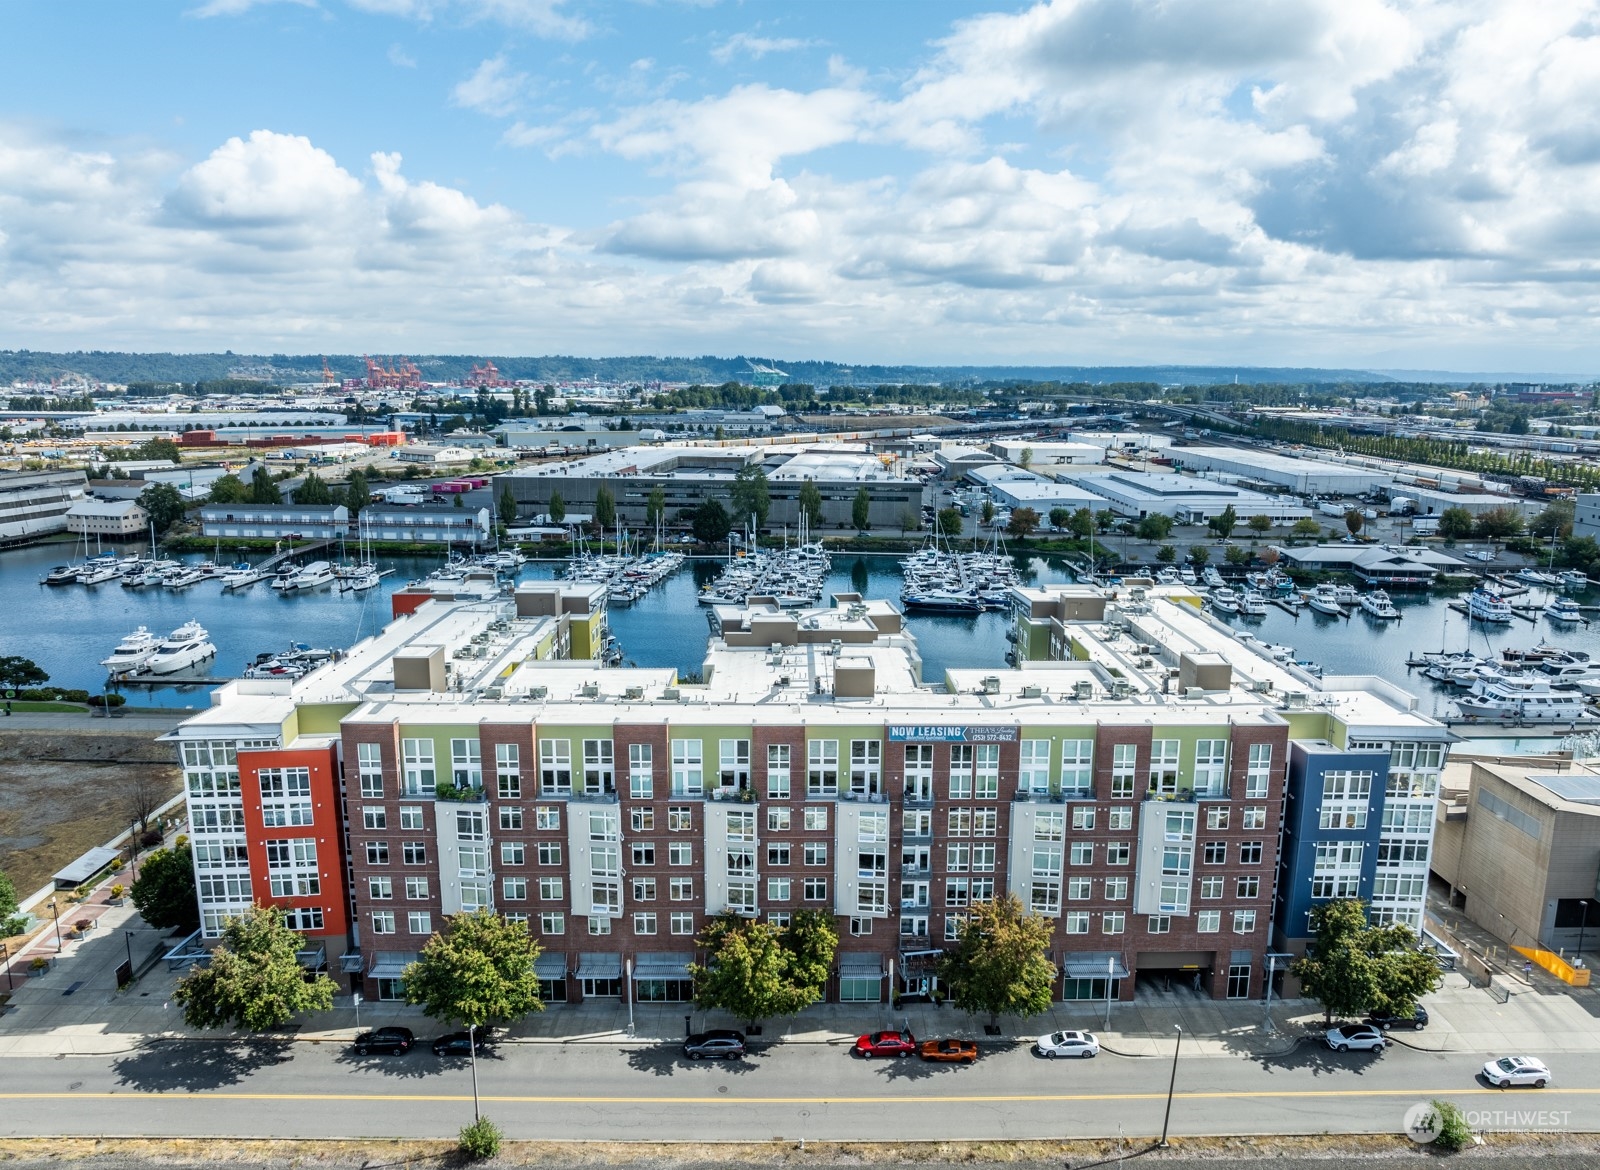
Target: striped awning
[(551, 965), (1094, 965), (663, 965), (599, 965), (861, 966), (391, 964)]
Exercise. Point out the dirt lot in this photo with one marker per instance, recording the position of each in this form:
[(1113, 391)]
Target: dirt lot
[(61, 795)]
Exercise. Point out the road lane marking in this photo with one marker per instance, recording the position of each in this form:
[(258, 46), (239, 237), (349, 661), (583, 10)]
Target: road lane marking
[(732, 1100)]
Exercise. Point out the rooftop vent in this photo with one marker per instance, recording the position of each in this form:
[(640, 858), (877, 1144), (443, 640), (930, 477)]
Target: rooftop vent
[(1032, 692), (1121, 689), (991, 684), (1194, 692), (1083, 690), (633, 693), (493, 693), (540, 692), (1294, 700), (670, 694)]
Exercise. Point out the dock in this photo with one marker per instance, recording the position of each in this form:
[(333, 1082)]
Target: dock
[(1526, 613), (278, 558), (1283, 604)]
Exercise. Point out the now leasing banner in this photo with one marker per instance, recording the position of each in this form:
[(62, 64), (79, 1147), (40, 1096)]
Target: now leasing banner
[(949, 733)]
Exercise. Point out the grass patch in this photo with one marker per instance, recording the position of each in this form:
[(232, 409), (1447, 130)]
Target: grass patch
[(29, 705)]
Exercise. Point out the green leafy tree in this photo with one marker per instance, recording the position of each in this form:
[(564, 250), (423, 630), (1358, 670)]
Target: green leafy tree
[(478, 971), (1060, 518), (507, 507), (254, 979), (811, 940), (1224, 522), (999, 964), (1260, 524), (164, 891), (1155, 526), (262, 489), (11, 918), (164, 503), (1082, 523), (751, 496), (1456, 524), (1499, 524), (655, 507), (1023, 522), (1199, 554), (811, 503), (711, 522), (747, 971), (1236, 554), (949, 521), (1555, 521), (861, 510), (556, 509), (1354, 521), (228, 489), (16, 671), (605, 507), (357, 492), (1105, 520), (1166, 554), (313, 490), (1025, 460), (1353, 968), (1306, 528), (987, 514)]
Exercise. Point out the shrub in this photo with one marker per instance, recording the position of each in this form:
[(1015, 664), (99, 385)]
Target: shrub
[(150, 838), (39, 963), (480, 1140), (118, 890), (1454, 1132), (82, 925), (180, 840), (107, 700)]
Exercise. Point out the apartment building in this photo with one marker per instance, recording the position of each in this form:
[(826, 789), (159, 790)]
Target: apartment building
[(1132, 791)]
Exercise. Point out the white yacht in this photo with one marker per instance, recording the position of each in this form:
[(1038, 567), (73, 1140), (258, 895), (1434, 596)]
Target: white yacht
[(1225, 598), (1521, 697), (133, 652), (1564, 612), (1346, 595), (186, 646), (1253, 604), (316, 575), (1325, 599), (1376, 603), (241, 575), (183, 578), (1484, 606), (98, 572), (1186, 575), (1573, 579), (362, 578), (1211, 576)]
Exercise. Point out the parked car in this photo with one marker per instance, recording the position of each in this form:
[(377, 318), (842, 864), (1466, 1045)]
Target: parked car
[(398, 1040), (1079, 1044), (1417, 1019), (719, 1044), (886, 1044), (1516, 1070), (949, 1051), (457, 1043), (1343, 1039)]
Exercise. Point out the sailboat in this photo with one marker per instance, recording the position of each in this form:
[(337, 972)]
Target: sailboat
[(363, 576)]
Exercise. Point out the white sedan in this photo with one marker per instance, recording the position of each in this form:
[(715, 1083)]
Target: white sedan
[(1516, 1070), (1079, 1044)]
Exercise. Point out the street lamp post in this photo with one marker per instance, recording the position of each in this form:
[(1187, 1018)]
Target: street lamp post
[(55, 911), (127, 941), (1111, 967), (1272, 966), (1583, 921), (5, 954), (1171, 1083)]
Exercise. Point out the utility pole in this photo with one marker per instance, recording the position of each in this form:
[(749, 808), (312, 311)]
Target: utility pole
[(1171, 1083)]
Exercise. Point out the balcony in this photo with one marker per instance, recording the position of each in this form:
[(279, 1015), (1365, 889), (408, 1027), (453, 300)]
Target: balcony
[(453, 795), (607, 797)]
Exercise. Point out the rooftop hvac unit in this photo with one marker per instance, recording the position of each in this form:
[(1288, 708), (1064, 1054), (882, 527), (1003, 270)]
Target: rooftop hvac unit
[(1194, 692), (670, 694), (1261, 685), (1294, 700), (991, 684), (539, 692), (1083, 690), (835, 646), (1032, 692), (493, 693), (633, 693), (1121, 690), (784, 680)]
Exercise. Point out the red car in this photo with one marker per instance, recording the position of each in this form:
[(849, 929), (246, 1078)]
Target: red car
[(886, 1044), (950, 1051)]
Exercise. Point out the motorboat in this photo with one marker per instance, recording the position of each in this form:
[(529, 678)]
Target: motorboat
[(1566, 675), (1325, 599), (1376, 603), (1573, 579), (1346, 595), (1521, 697), (133, 652), (184, 578), (316, 575), (1225, 599), (1252, 604), (1563, 611), (284, 578), (942, 601), (1532, 576), (365, 577), (1486, 606), (99, 572), (61, 575), (186, 646), (1167, 577), (241, 575), (1186, 575), (1212, 577)]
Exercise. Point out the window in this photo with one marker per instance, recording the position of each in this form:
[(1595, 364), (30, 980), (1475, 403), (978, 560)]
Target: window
[(1336, 872), (1159, 924), (822, 767), (380, 888), (733, 769), (1124, 770), (985, 822), (547, 817), (680, 818), (374, 818), (599, 773), (511, 818), (419, 922), (816, 853), (508, 771), (1217, 816), (778, 889), (919, 772), (866, 767), (599, 925), (1210, 889), (377, 853), (1079, 889), (957, 891), (1116, 889), (383, 922), (1247, 887), (644, 889), (983, 858), (961, 759), (682, 922), (913, 927), (959, 823), (1076, 921), (303, 919), (552, 889), (1049, 825), (778, 855), (1345, 796), (680, 853), (642, 820), (1244, 921), (958, 858), (1208, 921), (417, 762), (644, 922), (466, 763), (952, 927), (688, 768), (1113, 922), (1255, 817), (860, 927), (872, 897), (416, 889), (1083, 818), (1258, 772), (1164, 755), (369, 764), (641, 775), (986, 782), (1211, 767), (1119, 818), (778, 820), (285, 796), (513, 853), (555, 767), (514, 889), (1083, 853), (1239, 981), (644, 853), (816, 818), (1250, 853), (742, 826), (681, 889), (1077, 767), (1033, 766), (1214, 853), (549, 853), (778, 781), (1118, 852), (552, 922), (816, 889)]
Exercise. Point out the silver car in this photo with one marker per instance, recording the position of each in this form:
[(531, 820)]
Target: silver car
[(1516, 1070), (1079, 1044), (1356, 1036)]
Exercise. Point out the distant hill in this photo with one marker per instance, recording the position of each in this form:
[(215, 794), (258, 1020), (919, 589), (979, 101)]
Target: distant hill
[(109, 366)]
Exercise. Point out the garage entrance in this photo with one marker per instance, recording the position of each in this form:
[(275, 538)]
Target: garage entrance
[(1169, 976)]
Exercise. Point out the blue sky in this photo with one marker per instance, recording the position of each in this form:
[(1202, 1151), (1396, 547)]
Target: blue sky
[(1310, 182)]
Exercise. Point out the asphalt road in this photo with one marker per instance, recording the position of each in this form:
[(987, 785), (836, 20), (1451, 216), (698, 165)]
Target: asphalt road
[(792, 1091)]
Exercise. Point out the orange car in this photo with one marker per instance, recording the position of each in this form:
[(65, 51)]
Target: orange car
[(949, 1051)]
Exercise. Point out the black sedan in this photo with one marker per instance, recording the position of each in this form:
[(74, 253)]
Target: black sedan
[(719, 1043), (459, 1044), (396, 1040), (1417, 1020)]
